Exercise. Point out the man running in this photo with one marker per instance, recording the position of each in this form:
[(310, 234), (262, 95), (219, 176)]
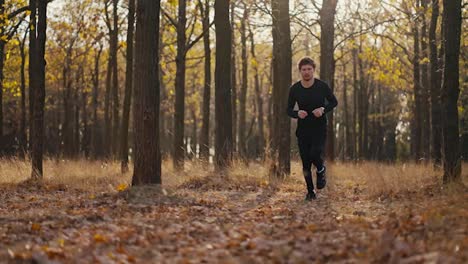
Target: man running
[(314, 99)]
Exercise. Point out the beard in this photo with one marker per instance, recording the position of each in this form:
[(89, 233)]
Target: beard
[(306, 78)]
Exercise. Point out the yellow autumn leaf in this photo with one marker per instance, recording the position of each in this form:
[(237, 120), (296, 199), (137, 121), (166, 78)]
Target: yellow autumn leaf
[(99, 238), (122, 187), (61, 242)]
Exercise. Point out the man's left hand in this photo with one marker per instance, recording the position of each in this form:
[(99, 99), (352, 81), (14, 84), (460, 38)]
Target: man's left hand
[(318, 112)]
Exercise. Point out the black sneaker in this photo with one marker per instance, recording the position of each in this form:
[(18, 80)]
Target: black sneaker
[(321, 178), (311, 196)]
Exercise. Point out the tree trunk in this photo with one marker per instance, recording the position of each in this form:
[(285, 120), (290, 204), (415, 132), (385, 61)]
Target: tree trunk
[(258, 97), (165, 138), (23, 137), (435, 85), (179, 114), (2, 64), (2, 58), (85, 141), (205, 132), (243, 91), (327, 62), (282, 62), (96, 136), (193, 139), (362, 104), (418, 120), (38, 85), (115, 81), (31, 67), (426, 128), (223, 116), (146, 90), (450, 90), (76, 118), (356, 136), (128, 89), (107, 107), (67, 130), (234, 78), (380, 120), (347, 125)]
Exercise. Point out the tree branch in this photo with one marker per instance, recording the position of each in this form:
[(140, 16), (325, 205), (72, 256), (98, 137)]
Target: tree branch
[(190, 45), (171, 20)]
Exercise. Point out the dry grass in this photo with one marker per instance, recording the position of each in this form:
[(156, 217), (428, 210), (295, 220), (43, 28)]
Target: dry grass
[(371, 178)]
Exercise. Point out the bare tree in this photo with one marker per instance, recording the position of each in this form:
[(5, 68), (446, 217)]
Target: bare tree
[(146, 87), (450, 90), (282, 77), (128, 88), (37, 42), (223, 115)]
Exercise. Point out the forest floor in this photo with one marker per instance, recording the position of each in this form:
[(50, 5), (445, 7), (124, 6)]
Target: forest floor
[(84, 212)]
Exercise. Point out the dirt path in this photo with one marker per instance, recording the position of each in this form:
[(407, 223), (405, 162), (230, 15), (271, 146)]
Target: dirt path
[(252, 224)]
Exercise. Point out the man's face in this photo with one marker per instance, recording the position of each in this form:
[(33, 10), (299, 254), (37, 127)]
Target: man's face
[(307, 72)]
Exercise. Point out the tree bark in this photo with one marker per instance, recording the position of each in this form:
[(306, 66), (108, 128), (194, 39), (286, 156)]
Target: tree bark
[(435, 86), (128, 89), (233, 78), (96, 136), (146, 90), (179, 114), (23, 137), (115, 81), (107, 108), (282, 77), (450, 90), (327, 62), (356, 136), (38, 86), (418, 120), (223, 116), (243, 92), (258, 97), (205, 131), (426, 126), (31, 67), (2, 59), (347, 125)]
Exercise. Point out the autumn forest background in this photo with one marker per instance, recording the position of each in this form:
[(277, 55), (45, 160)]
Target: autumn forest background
[(142, 130)]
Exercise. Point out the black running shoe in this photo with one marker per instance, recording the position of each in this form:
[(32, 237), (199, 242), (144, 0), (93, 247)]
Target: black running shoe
[(321, 178), (311, 196)]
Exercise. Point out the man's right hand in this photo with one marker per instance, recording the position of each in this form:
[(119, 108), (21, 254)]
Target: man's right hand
[(302, 114)]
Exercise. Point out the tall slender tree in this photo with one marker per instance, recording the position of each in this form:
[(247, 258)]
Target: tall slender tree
[(233, 76), (451, 90), (128, 88), (426, 115), (115, 78), (223, 115), (205, 131), (282, 77), (435, 85), (146, 87), (243, 91), (327, 61), (258, 94), (22, 137), (179, 113), (37, 82)]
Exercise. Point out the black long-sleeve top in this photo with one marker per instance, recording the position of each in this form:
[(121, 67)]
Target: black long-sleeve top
[(308, 99)]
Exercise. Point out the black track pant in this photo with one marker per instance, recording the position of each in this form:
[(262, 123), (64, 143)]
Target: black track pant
[(311, 150)]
